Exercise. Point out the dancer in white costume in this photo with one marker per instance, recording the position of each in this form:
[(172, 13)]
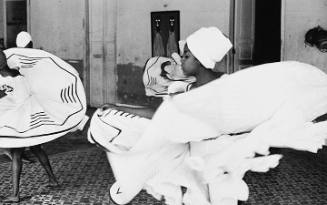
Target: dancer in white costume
[(188, 142), (124, 129), (44, 100), (23, 40)]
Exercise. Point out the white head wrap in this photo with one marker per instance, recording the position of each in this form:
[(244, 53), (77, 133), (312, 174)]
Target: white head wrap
[(22, 39), (209, 45)]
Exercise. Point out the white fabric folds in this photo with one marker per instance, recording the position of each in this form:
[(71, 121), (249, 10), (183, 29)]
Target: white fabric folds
[(44, 103), (207, 139)]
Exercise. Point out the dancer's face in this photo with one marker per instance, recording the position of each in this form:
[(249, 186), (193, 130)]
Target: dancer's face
[(190, 64)]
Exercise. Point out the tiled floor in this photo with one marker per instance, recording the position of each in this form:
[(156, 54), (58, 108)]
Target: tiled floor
[(301, 178), (85, 177)]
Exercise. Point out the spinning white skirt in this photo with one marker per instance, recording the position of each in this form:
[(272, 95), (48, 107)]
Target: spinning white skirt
[(44, 103), (275, 103), (283, 92), (118, 132)]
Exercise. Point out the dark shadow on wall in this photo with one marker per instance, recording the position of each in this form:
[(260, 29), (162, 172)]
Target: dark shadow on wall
[(267, 32), (130, 87)]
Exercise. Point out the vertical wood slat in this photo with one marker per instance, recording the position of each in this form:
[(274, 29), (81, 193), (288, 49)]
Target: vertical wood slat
[(102, 14), (110, 65), (86, 57), (96, 52)]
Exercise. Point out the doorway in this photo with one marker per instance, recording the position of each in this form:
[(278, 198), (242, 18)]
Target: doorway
[(255, 32), (15, 20), (267, 43)]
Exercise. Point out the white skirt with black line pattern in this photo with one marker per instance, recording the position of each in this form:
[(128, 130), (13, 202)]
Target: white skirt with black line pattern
[(45, 102)]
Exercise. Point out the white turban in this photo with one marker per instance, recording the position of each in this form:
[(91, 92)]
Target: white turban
[(22, 39), (209, 45)]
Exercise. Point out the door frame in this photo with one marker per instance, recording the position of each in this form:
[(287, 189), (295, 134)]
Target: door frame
[(86, 55), (5, 18), (282, 30), (233, 16), (235, 22)]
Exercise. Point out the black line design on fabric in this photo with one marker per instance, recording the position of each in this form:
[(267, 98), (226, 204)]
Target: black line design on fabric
[(27, 59), (28, 63), (98, 144), (65, 95), (130, 115), (40, 118), (68, 94), (42, 135), (147, 72), (64, 121), (45, 122), (61, 95), (37, 113), (74, 100), (118, 129)]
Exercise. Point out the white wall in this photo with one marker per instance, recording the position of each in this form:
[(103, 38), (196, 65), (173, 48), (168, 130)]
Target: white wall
[(134, 23), (1, 19), (57, 27), (299, 17), (120, 39)]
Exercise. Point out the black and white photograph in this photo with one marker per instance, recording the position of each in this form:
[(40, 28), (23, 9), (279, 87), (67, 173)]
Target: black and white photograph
[(163, 102)]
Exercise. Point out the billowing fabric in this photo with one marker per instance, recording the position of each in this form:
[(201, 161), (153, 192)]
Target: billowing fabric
[(243, 100), (275, 103), (44, 103), (162, 170), (161, 72), (117, 133), (207, 139)]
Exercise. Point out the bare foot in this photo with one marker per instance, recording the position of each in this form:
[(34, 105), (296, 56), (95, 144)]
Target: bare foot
[(11, 199)]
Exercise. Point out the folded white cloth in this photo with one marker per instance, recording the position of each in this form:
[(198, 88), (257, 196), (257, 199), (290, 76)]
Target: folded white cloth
[(187, 143), (242, 101), (44, 103), (275, 103)]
